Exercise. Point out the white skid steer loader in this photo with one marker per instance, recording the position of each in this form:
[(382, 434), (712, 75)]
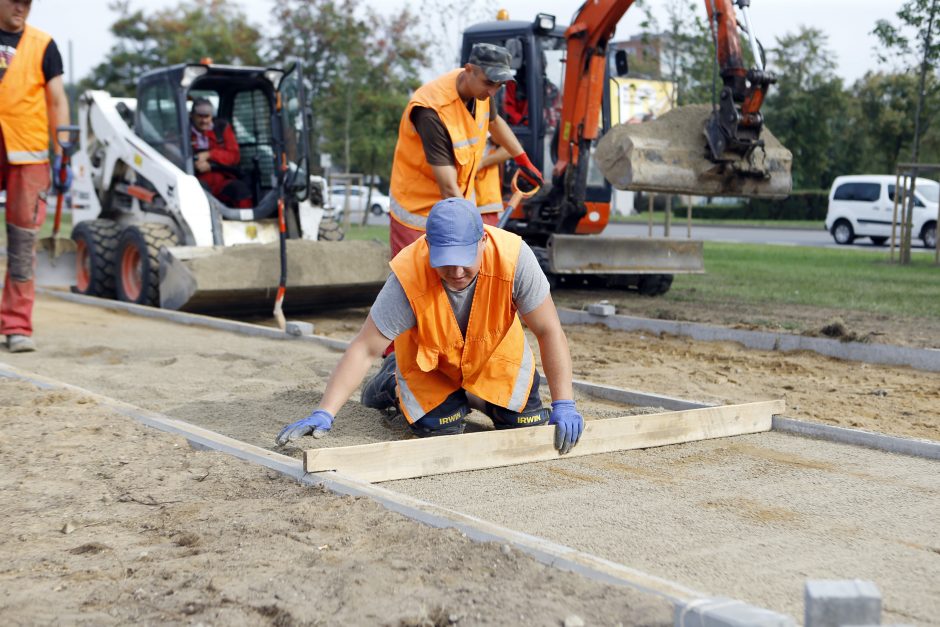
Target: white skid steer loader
[(147, 231)]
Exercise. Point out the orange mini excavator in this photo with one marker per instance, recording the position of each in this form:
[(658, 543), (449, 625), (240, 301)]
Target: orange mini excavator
[(564, 107)]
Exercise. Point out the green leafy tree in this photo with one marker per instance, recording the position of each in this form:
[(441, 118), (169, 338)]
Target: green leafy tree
[(361, 68), (914, 39), (808, 106), (442, 23), (192, 30)]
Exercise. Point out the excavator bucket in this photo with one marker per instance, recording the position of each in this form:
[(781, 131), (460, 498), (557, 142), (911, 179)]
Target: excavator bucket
[(668, 155), (244, 278)]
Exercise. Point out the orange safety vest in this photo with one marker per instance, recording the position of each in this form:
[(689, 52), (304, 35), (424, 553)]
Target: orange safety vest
[(488, 192), (23, 115), (414, 190), (494, 360)]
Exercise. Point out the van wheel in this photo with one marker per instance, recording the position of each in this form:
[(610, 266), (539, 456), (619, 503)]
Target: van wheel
[(929, 235), (842, 232), (377, 210), (138, 267), (95, 244), (878, 241)]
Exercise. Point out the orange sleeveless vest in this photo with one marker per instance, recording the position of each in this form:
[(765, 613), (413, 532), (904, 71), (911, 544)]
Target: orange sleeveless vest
[(23, 115), (414, 189), (494, 360)]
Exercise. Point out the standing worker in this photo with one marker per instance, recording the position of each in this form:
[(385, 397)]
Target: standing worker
[(450, 307), (32, 105), (441, 137)]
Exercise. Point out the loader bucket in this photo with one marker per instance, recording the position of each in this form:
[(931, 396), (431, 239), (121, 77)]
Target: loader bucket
[(243, 279), (667, 155), (599, 254)]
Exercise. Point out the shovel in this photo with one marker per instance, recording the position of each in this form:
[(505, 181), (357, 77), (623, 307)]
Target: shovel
[(55, 256), (517, 196)]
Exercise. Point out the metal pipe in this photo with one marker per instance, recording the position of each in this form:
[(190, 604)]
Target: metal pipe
[(751, 38)]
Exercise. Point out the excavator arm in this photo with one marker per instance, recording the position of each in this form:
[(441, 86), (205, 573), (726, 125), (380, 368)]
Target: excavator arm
[(721, 151)]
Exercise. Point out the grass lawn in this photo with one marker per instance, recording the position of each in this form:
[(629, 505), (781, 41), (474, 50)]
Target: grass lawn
[(678, 222), (845, 279)]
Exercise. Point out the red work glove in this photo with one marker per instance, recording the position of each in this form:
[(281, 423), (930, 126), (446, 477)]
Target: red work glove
[(529, 175)]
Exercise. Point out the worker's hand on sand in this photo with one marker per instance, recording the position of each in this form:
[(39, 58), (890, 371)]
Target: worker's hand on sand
[(529, 175), (317, 423), (568, 425)]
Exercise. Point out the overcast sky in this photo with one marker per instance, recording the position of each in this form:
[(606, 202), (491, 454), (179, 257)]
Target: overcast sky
[(848, 23)]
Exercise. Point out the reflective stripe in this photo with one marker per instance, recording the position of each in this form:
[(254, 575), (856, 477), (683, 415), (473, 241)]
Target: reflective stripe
[(491, 208), (409, 404), (467, 142), (21, 156), (524, 378), (406, 217)]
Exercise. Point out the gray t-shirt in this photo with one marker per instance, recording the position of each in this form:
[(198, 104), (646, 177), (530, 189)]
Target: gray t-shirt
[(393, 315)]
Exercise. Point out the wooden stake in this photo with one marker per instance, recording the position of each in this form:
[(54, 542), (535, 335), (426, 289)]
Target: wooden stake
[(405, 459)]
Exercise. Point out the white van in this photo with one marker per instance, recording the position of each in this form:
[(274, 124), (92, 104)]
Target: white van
[(862, 205)]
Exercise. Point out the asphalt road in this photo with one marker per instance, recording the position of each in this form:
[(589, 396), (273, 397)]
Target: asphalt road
[(750, 235)]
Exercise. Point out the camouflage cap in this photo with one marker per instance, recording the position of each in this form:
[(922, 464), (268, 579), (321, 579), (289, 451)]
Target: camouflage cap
[(493, 60)]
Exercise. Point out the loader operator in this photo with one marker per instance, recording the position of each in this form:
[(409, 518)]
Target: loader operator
[(32, 104), (450, 307), (441, 138), (216, 156)]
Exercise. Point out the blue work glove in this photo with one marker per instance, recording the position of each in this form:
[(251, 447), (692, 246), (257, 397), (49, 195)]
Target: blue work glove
[(568, 425), (57, 182), (317, 423)]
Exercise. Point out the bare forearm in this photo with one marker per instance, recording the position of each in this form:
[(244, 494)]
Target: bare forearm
[(504, 137), (446, 177), (556, 362), (494, 158), (57, 108)]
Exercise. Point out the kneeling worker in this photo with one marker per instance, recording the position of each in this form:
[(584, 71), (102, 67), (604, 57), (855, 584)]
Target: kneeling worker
[(450, 306)]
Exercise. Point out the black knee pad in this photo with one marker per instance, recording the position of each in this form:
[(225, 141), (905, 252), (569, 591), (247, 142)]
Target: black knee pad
[(379, 391), (506, 419), (20, 245), (449, 424)]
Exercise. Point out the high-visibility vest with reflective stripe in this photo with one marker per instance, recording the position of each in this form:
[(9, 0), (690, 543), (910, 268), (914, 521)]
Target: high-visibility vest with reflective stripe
[(414, 190), (494, 360), (23, 116)]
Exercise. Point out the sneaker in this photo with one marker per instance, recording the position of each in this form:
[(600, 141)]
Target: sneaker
[(20, 343)]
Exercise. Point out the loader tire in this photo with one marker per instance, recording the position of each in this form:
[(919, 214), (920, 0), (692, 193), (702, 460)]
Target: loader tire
[(138, 267), (654, 284), (330, 231), (96, 242)]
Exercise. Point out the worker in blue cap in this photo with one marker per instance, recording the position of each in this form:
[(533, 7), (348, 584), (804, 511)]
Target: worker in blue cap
[(452, 306)]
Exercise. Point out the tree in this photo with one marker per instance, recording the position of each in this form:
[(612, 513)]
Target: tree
[(186, 33), (808, 106), (361, 68), (918, 22), (442, 25)]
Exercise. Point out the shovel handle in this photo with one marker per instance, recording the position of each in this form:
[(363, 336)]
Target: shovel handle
[(517, 196)]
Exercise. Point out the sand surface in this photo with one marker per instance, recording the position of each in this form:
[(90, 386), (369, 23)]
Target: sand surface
[(748, 517), (107, 522)]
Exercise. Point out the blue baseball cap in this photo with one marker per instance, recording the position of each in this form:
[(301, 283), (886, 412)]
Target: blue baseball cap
[(454, 229)]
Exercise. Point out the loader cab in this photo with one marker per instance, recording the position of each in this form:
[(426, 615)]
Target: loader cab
[(248, 99), (539, 52)]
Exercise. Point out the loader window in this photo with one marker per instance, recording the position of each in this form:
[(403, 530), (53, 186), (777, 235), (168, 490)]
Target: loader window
[(251, 120), (159, 121)]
